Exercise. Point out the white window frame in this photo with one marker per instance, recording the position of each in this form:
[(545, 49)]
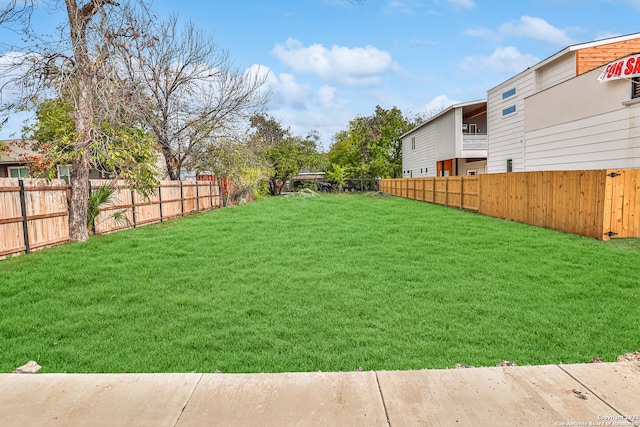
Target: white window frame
[(472, 172), (17, 168), (508, 94), (67, 176), (506, 112)]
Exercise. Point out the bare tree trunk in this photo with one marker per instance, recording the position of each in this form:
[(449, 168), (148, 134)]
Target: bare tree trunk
[(168, 156), (85, 80), (78, 229)]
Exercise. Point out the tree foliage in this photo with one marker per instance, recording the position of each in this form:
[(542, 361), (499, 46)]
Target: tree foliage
[(79, 67), (283, 154), (186, 90), (122, 150), (237, 166), (370, 147)]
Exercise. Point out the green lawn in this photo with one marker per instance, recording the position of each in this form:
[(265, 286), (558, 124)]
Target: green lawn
[(333, 283)]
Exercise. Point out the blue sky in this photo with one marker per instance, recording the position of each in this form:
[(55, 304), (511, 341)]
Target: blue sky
[(329, 61)]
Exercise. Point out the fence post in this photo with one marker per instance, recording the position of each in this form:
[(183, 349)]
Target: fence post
[(133, 208), (197, 197), (93, 223), (446, 191), (211, 194), (160, 200), (23, 208), (181, 199)]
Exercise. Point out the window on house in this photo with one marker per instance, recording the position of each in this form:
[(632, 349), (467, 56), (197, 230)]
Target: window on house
[(64, 173), (413, 142), (472, 172), (18, 172), (509, 165), (509, 93), (635, 88), (509, 110)]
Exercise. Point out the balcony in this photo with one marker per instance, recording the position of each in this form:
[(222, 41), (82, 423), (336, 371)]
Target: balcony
[(474, 145)]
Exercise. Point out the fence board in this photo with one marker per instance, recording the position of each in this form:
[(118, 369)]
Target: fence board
[(625, 203), (471, 192), (47, 217), (586, 202)]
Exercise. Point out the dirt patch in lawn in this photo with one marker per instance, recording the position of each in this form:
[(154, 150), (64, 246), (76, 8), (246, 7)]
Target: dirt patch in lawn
[(630, 357)]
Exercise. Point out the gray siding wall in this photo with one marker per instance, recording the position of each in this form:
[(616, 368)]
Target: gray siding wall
[(434, 141), (507, 133), (447, 127), (557, 72), (583, 124), (420, 161)]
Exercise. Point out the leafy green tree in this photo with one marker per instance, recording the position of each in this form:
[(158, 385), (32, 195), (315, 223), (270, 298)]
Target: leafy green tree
[(371, 146), (79, 64), (237, 166), (125, 151), (338, 174), (283, 154)]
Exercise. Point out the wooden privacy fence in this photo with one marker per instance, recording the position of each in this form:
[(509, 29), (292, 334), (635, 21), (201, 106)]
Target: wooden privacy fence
[(34, 212), (593, 203), (456, 191)]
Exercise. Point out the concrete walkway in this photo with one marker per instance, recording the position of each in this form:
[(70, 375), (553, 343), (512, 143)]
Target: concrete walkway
[(552, 395)]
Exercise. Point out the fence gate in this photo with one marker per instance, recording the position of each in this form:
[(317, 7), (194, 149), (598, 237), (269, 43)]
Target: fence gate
[(622, 204)]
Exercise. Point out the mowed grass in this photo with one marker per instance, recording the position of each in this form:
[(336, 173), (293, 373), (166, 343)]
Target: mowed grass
[(333, 283)]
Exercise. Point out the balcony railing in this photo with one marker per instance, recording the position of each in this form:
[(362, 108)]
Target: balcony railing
[(475, 142)]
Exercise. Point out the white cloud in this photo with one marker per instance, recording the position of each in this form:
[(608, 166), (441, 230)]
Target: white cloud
[(326, 96), (284, 88), (483, 33), (438, 104), (507, 60), (414, 42), (290, 91), (360, 66), (538, 29), (463, 4), (633, 3), (400, 6)]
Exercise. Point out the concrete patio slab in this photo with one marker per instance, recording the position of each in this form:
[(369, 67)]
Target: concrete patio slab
[(290, 399), (527, 396), (95, 399), (616, 383)]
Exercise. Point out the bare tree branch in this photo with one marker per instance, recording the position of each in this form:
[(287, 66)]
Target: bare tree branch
[(188, 91)]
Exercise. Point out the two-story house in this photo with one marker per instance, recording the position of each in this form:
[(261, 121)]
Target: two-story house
[(451, 143), (556, 115)]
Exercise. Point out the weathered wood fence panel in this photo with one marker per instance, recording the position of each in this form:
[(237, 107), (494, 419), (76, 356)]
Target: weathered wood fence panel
[(173, 199), (34, 212), (593, 203)]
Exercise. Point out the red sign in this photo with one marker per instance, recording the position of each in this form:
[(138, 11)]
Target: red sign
[(625, 68)]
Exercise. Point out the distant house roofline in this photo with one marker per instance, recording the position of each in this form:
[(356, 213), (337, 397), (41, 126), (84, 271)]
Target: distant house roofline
[(443, 112), (571, 49)]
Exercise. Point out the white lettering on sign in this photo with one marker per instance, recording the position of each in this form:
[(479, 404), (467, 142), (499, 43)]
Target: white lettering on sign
[(625, 68)]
